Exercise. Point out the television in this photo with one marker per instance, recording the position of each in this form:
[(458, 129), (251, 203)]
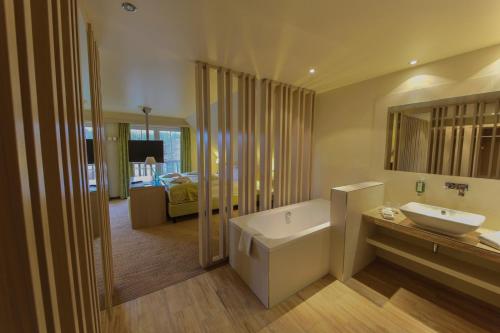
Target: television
[(138, 150), (90, 151)]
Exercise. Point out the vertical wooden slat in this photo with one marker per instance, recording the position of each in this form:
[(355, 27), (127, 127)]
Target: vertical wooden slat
[(396, 146), (477, 139), (221, 145), (64, 100), (471, 149), (242, 173), (43, 25), (88, 267), (100, 167), (462, 109), (441, 133), (278, 146), (22, 301), (294, 146), (42, 123), (287, 158), (307, 146), (402, 149), (265, 146), (251, 145), (301, 143), (453, 144), (288, 145), (228, 81), (493, 140), (388, 140), (207, 123), (200, 143), (25, 57)]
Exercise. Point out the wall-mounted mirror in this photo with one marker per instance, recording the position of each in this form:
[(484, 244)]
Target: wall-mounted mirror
[(457, 137)]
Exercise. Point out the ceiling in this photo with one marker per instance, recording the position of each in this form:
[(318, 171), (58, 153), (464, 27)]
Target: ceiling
[(147, 57)]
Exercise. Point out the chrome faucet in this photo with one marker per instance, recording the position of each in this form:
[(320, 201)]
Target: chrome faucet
[(456, 186), (288, 217)]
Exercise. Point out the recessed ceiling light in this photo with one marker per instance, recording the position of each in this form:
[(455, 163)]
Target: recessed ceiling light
[(129, 7), (312, 71), (413, 62)]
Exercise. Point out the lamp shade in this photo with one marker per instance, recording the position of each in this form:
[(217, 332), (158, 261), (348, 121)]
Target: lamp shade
[(150, 160)]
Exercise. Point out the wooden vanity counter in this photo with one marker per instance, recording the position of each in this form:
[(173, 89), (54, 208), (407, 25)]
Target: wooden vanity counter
[(468, 243)]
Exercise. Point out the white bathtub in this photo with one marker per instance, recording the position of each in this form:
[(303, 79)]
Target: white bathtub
[(287, 254)]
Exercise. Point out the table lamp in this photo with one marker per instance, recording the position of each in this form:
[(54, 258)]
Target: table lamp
[(150, 160)]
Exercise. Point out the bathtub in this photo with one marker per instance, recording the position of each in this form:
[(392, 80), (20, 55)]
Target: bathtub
[(291, 249)]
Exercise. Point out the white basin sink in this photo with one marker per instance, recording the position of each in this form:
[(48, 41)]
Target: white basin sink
[(443, 220)]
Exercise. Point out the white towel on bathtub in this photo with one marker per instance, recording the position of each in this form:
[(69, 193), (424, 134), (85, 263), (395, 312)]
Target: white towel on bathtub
[(245, 244), (491, 239)]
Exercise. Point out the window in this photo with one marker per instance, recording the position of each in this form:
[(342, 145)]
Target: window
[(171, 138), (89, 134)]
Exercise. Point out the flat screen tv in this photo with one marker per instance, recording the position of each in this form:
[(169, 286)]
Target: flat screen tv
[(138, 150), (90, 151)]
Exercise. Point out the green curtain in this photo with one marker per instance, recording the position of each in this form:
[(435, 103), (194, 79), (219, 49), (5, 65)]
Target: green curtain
[(185, 149), (123, 137)]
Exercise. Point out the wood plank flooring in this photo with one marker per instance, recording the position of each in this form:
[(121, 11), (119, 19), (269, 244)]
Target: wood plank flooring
[(381, 298)]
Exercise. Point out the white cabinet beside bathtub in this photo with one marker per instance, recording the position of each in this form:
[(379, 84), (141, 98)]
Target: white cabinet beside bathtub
[(350, 252)]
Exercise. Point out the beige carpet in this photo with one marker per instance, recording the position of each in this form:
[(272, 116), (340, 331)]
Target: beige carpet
[(150, 259)]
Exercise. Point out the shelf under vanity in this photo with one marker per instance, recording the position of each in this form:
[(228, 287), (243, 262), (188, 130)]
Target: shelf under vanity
[(401, 237)]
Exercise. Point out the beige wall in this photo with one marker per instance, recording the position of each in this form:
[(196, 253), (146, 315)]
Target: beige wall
[(350, 124), (112, 159), (191, 120)]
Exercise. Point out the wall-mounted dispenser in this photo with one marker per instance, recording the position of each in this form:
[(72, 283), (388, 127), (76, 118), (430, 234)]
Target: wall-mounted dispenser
[(420, 187)]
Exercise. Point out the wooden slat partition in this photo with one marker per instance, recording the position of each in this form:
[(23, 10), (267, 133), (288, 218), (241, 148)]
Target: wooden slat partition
[(284, 128), (48, 281), (99, 140), (285, 140), (246, 161)]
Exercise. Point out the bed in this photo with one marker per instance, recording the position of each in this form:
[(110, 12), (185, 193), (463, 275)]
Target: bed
[(182, 199)]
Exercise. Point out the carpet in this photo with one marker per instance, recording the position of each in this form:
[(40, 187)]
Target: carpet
[(149, 259)]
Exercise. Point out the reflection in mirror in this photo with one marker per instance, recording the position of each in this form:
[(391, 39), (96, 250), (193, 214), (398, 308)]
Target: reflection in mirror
[(456, 137)]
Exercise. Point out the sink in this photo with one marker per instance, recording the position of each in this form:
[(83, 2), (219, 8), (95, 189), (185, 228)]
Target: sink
[(443, 220)]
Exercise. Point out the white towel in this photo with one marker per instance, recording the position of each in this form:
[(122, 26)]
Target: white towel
[(245, 244), (491, 239)]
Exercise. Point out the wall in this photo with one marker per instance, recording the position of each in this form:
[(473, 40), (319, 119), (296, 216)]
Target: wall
[(191, 120), (111, 133), (350, 125)]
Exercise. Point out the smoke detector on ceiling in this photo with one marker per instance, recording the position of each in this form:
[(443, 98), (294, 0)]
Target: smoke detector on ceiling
[(129, 7)]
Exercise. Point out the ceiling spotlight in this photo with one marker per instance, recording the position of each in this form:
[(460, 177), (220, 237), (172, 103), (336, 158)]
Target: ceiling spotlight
[(312, 71), (413, 62), (129, 7)]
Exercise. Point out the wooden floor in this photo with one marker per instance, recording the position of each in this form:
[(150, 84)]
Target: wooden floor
[(381, 298)]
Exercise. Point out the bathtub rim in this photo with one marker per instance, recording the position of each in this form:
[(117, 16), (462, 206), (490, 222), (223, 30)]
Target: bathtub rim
[(273, 244)]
